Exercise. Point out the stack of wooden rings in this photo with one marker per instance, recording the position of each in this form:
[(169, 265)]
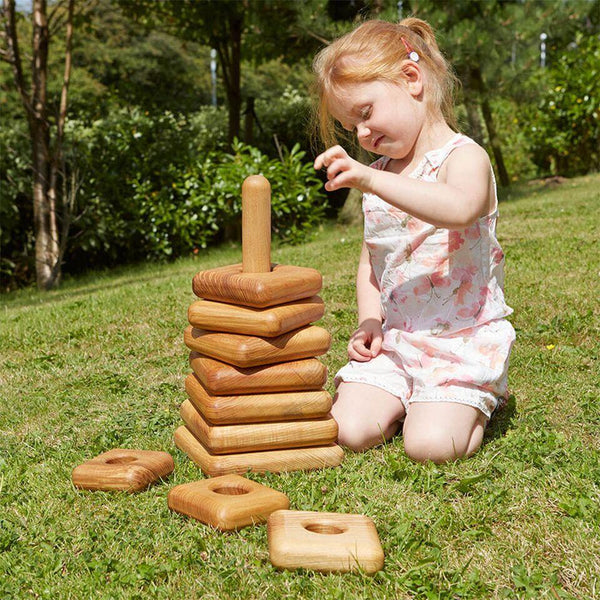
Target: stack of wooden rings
[(255, 397)]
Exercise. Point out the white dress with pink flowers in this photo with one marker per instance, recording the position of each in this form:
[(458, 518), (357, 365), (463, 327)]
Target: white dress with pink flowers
[(445, 333)]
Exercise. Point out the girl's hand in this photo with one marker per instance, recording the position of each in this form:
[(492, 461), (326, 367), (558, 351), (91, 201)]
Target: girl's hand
[(365, 342), (343, 171)]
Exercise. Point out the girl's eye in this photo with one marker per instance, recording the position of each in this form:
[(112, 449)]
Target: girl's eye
[(365, 113)]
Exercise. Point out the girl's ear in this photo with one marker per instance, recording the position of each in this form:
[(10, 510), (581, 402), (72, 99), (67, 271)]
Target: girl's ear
[(414, 77)]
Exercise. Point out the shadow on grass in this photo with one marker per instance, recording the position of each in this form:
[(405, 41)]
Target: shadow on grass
[(502, 421)]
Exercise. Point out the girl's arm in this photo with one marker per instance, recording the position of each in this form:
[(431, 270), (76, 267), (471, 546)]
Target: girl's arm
[(365, 342), (455, 203)]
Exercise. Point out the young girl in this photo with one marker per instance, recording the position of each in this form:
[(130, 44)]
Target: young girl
[(432, 345)]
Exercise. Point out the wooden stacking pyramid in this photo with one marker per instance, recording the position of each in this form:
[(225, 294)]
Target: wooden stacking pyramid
[(255, 395)]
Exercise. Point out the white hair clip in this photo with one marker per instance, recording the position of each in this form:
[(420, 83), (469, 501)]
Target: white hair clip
[(412, 55)]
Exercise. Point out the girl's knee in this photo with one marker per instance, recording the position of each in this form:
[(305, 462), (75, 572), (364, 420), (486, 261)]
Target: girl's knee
[(366, 416), (353, 435), (441, 440), (355, 432), (436, 446)]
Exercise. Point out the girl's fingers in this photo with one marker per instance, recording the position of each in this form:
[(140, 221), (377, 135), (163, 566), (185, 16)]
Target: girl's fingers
[(336, 167), (353, 355), (339, 181), (327, 157), (376, 345), (359, 348)]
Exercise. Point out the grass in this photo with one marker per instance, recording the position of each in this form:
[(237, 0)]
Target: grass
[(100, 364)]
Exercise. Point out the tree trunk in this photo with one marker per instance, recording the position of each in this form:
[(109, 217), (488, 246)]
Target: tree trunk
[(249, 121), (475, 129), (229, 52), (234, 94), (477, 79), (57, 160), (495, 143), (44, 213), (50, 243)]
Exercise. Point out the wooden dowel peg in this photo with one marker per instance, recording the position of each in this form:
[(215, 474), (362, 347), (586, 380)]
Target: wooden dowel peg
[(256, 225)]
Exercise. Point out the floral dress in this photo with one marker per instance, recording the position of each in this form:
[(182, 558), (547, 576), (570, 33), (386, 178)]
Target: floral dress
[(445, 333)]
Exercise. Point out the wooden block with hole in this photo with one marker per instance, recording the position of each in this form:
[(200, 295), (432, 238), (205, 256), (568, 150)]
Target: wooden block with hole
[(251, 351), (122, 469), (267, 322), (274, 461), (227, 502), (324, 542), (249, 437), (278, 284), (256, 282), (256, 408), (222, 379)]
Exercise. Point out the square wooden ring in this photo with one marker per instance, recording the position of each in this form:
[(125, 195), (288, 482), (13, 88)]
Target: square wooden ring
[(274, 461), (227, 502), (122, 469), (247, 351), (284, 283), (221, 379), (257, 408), (266, 322), (324, 542), (251, 437)]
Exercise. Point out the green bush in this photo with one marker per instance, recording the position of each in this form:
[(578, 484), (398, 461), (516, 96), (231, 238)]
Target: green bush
[(156, 188), (203, 203), (564, 128), (112, 156), (16, 210), (151, 186), (288, 117)]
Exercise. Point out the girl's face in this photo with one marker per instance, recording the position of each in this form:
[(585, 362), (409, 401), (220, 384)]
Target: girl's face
[(386, 117)]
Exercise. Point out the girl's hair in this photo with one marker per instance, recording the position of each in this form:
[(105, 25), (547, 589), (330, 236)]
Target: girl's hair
[(374, 51)]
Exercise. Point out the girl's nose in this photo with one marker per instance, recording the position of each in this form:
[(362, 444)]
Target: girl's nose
[(362, 131)]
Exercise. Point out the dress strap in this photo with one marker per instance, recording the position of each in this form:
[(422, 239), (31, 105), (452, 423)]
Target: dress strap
[(436, 157)]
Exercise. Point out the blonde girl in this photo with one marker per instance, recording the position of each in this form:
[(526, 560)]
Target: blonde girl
[(430, 354)]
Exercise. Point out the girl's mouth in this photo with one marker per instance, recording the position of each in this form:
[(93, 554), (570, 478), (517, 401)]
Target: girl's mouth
[(377, 141)]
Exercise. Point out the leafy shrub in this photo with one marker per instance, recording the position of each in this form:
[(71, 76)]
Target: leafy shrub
[(287, 116), (565, 126), (208, 127), (204, 201), (112, 155), (151, 185), (16, 211), (514, 139)]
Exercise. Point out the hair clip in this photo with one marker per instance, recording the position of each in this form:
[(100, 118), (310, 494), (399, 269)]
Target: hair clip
[(412, 55)]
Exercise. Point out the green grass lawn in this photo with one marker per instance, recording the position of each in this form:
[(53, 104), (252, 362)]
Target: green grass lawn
[(100, 364)]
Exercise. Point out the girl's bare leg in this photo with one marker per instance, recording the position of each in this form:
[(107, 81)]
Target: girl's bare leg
[(366, 415), (442, 431)]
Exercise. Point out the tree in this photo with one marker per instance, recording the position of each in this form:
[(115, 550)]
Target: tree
[(251, 29), (46, 136)]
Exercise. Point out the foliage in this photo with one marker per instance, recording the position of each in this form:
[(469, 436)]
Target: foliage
[(564, 127), (205, 202), (133, 66), (287, 118), (255, 30), (514, 136), (156, 192), (16, 211), (518, 520), (154, 186)]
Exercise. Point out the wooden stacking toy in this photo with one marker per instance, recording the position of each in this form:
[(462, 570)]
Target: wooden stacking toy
[(323, 541), (255, 396), (121, 469), (227, 502)]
